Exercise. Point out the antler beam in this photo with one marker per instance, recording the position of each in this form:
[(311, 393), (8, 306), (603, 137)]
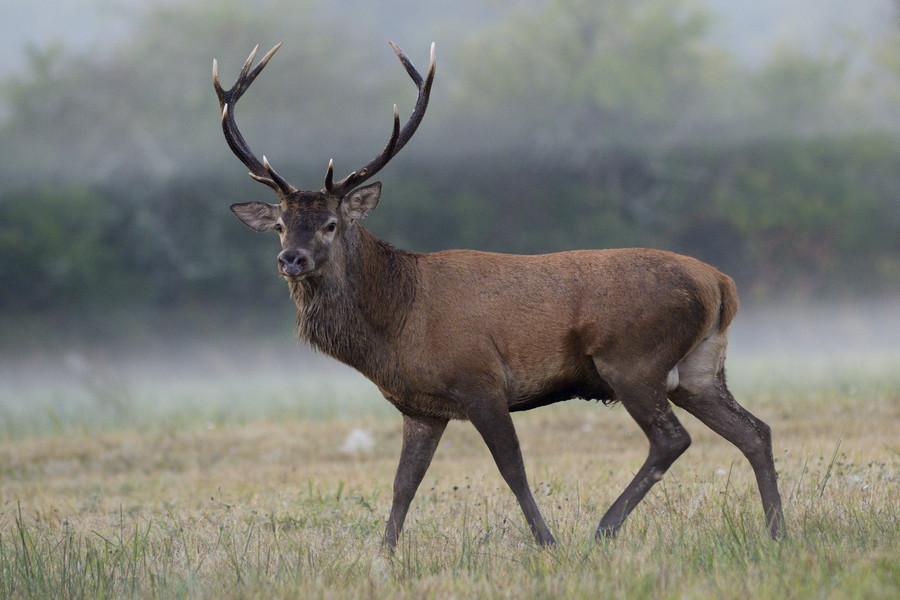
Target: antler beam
[(398, 137), (260, 171)]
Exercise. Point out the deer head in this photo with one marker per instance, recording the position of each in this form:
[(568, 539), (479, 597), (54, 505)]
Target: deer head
[(311, 223)]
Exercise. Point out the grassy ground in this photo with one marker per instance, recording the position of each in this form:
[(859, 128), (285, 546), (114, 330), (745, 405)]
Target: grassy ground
[(228, 503)]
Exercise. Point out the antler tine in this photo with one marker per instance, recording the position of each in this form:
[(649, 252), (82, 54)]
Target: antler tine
[(260, 171), (329, 176), (399, 137)]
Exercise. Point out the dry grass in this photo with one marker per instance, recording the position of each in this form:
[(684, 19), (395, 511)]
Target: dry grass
[(273, 508)]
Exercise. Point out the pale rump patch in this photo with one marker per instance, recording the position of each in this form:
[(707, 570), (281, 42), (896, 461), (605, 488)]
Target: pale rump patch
[(699, 369), (672, 379)]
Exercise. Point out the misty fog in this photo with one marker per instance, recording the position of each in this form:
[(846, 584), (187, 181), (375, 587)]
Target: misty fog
[(142, 137), (146, 114)]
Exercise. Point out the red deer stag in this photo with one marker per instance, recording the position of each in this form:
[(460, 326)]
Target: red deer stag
[(462, 334)]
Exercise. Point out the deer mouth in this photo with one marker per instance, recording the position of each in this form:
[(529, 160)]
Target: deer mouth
[(293, 272), (293, 275)]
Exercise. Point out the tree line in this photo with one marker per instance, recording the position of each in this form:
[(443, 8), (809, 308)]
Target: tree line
[(555, 125)]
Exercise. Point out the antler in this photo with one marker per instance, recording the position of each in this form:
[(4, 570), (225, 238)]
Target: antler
[(398, 137), (260, 171)]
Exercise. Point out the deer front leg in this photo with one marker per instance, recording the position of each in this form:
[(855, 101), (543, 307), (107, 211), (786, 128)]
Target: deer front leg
[(420, 439), (496, 428)]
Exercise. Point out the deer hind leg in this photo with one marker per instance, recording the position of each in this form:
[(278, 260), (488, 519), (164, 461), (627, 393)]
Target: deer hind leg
[(420, 439), (668, 439), (702, 391)]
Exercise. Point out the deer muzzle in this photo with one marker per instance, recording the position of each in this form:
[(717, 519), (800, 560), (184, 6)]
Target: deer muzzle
[(295, 262)]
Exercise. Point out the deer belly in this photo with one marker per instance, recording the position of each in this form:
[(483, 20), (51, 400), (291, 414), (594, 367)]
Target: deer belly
[(426, 406), (594, 388)]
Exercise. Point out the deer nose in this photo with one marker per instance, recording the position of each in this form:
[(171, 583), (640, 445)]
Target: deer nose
[(295, 261)]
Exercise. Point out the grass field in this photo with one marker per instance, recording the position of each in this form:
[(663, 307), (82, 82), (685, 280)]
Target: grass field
[(114, 486)]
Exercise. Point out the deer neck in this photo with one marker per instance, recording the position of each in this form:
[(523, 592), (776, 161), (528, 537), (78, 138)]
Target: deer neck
[(359, 304)]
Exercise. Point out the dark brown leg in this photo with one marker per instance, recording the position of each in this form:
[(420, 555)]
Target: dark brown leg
[(668, 440), (496, 428), (716, 407), (420, 439)]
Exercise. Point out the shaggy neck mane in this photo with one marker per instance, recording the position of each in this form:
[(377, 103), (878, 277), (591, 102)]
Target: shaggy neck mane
[(358, 302)]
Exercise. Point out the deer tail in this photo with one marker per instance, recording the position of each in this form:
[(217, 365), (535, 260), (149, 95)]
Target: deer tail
[(728, 306)]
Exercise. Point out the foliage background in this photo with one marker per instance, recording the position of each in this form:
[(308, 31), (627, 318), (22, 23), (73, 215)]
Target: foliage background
[(553, 125)]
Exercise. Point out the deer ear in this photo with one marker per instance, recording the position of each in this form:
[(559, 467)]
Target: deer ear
[(258, 216), (357, 203)]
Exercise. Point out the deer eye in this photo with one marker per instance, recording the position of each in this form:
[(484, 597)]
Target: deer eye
[(331, 227), (279, 228)]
